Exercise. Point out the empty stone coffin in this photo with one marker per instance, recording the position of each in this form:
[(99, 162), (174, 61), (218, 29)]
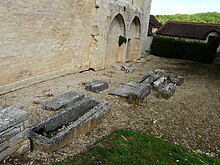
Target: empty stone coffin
[(74, 119)]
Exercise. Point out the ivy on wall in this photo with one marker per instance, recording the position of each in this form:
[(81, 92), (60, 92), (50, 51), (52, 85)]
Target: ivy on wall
[(122, 40)]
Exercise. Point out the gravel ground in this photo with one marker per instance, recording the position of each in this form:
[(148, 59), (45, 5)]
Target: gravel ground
[(190, 118)]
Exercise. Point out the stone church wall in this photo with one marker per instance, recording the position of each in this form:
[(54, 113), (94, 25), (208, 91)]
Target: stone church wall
[(40, 40)]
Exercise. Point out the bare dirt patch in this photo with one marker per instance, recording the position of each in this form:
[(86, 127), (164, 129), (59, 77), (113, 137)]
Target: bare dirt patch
[(190, 118)]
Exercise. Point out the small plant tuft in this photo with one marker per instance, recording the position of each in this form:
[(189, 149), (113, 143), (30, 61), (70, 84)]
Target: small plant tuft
[(121, 40)]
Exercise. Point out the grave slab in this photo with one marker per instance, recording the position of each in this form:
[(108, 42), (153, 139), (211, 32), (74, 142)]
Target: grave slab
[(134, 92), (63, 100)]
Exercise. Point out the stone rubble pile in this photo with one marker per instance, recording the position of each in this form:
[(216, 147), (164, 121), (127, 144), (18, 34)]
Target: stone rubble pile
[(14, 134), (137, 91)]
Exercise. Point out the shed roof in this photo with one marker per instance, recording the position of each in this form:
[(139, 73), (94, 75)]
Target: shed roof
[(188, 29), (154, 22)]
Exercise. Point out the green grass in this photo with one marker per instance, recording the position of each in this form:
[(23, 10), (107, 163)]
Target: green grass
[(124, 147)]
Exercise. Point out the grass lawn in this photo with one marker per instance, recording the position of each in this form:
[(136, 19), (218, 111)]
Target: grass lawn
[(132, 148)]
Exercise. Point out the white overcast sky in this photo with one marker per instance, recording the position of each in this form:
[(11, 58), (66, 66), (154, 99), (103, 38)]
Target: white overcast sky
[(184, 6)]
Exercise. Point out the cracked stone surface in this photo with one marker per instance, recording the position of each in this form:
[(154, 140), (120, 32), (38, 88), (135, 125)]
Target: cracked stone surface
[(10, 117)]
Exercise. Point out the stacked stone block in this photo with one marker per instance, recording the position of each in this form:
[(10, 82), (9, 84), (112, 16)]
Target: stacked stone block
[(14, 134)]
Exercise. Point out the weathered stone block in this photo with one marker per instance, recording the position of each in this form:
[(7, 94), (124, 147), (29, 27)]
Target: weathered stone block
[(127, 68), (19, 137), (176, 79), (24, 147), (97, 86), (145, 77), (160, 83), (10, 117), (63, 100), (4, 145), (134, 92), (8, 152), (67, 124), (157, 74), (7, 134), (150, 77), (167, 92)]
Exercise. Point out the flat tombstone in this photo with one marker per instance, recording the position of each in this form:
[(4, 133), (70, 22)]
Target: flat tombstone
[(134, 92), (63, 100)]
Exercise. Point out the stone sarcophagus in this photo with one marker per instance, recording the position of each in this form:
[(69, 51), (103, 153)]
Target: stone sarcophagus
[(74, 119)]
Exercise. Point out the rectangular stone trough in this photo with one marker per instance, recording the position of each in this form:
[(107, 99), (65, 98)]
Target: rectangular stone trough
[(67, 124)]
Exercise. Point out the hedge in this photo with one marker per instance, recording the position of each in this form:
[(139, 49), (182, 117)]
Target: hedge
[(180, 49)]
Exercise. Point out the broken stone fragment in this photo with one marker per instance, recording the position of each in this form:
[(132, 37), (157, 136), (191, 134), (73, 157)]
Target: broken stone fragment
[(134, 92), (24, 147), (63, 100), (150, 77), (176, 79), (117, 67), (97, 86), (138, 95), (160, 83), (127, 68), (10, 117), (167, 92), (146, 77), (158, 73)]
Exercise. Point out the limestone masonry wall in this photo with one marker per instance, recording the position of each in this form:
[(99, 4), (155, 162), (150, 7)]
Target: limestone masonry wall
[(40, 40), (13, 133)]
